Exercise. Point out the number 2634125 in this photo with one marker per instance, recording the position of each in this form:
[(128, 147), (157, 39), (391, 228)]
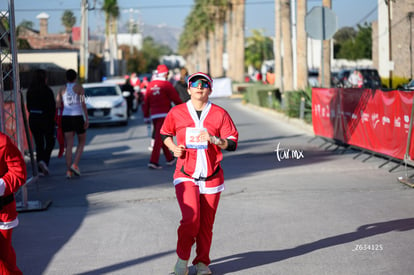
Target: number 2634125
[(368, 247)]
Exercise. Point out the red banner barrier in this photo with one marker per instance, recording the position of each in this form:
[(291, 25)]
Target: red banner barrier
[(371, 119)]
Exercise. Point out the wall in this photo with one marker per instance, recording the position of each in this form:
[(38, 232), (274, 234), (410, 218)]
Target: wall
[(64, 59)]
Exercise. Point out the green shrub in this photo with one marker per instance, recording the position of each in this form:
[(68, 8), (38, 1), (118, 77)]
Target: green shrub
[(268, 96)]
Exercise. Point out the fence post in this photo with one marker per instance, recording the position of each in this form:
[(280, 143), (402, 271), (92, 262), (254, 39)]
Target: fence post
[(302, 108), (269, 99)]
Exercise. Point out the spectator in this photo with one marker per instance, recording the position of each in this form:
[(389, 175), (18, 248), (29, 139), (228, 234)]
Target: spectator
[(41, 106), (134, 80), (159, 96), (258, 76), (12, 176), (270, 77), (74, 120), (202, 131), (356, 79), (127, 87), (181, 85), (142, 90)]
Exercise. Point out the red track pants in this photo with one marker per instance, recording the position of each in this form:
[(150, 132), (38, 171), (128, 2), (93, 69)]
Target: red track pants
[(198, 213), (7, 255), (158, 144)]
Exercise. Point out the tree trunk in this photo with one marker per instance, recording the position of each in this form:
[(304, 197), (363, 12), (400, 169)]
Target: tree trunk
[(301, 48), (326, 55), (238, 43), (219, 46), (236, 37), (212, 48), (202, 65), (287, 45), (230, 41), (277, 47)]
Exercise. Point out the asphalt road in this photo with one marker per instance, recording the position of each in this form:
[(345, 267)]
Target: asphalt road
[(291, 206)]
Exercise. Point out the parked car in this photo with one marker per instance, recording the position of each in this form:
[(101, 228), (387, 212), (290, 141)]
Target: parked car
[(313, 78), (105, 103), (371, 78), (409, 85), (341, 79), (334, 78)]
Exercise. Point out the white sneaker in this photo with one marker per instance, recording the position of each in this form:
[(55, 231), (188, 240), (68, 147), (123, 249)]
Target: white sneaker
[(181, 267), (202, 269)]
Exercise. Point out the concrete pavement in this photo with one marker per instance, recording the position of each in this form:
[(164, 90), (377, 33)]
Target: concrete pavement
[(290, 207)]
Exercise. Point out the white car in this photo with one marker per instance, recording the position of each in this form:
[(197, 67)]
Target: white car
[(132, 99), (105, 103)]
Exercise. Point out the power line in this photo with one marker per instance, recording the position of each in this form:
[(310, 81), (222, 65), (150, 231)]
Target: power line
[(368, 15), (140, 7)]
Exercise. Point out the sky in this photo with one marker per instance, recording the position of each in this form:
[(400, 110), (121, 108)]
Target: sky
[(259, 13)]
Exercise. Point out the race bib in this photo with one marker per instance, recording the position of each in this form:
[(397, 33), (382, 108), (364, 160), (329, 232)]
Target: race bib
[(193, 139)]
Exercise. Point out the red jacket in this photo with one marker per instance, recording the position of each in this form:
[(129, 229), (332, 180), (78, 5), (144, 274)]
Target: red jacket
[(204, 162), (13, 173), (158, 98)]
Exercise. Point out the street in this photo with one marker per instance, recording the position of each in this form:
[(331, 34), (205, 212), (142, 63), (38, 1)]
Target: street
[(290, 207)]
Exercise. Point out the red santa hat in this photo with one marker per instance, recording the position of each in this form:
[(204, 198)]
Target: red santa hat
[(162, 69)]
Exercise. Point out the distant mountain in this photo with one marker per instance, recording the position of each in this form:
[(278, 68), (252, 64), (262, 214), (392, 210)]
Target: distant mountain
[(164, 35)]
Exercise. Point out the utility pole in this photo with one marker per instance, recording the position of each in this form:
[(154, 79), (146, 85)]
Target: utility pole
[(84, 52), (390, 64), (131, 31), (326, 51), (410, 17)]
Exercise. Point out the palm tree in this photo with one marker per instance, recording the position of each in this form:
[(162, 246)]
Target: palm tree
[(326, 74), (204, 30), (111, 9), (301, 49), (277, 47), (194, 37), (258, 48), (236, 39), (217, 14), (68, 20), (22, 44), (287, 45)]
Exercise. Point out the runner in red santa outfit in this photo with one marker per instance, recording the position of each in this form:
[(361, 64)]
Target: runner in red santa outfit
[(12, 175), (159, 96), (202, 130)]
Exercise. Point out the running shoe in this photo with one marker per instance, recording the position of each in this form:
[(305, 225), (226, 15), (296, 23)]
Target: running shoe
[(181, 267), (171, 162), (69, 174), (75, 169), (43, 167), (202, 269), (154, 166)]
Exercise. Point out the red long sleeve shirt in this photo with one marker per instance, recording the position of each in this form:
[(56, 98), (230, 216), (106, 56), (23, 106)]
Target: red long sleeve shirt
[(158, 98)]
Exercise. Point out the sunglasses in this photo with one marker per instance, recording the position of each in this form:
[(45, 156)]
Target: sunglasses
[(195, 84)]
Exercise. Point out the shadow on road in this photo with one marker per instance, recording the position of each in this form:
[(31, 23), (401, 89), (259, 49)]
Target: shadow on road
[(251, 259)]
